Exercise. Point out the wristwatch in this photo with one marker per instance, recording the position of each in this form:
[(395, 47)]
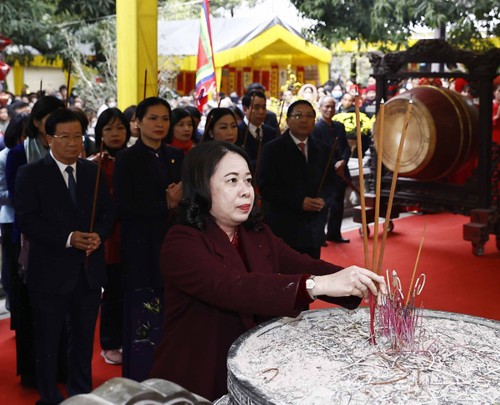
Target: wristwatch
[(310, 284)]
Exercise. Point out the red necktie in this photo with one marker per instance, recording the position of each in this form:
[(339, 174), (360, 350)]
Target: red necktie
[(302, 147)]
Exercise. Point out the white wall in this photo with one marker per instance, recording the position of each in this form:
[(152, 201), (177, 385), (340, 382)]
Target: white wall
[(51, 78)]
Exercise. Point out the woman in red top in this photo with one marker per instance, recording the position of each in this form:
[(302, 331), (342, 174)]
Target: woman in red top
[(182, 132), (224, 272), (113, 130)]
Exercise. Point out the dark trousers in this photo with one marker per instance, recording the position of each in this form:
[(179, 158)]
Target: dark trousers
[(8, 257), (111, 322), (142, 331), (315, 253), (79, 309), (336, 212)]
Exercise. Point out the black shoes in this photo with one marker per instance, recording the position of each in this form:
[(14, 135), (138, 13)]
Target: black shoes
[(338, 240)]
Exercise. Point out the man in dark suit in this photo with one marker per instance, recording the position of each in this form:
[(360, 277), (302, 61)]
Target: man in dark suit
[(290, 181), (271, 118), (54, 205), (252, 132), (333, 133)]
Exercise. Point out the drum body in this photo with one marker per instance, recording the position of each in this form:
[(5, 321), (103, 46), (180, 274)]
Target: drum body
[(441, 137)]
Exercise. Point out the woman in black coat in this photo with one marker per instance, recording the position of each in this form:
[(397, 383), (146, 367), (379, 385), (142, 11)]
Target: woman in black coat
[(146, 186)]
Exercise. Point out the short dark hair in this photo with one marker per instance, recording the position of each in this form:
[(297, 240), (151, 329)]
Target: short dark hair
[(16, 105), (238, 113), (61, 116), (195, 113), (106, 117), (16, 129), (215, 115), (256, 87), (247, 98), (144, 105), (177, 115), (43, 107), (129, 112), (83, 117), (295, 104), (197, 170)]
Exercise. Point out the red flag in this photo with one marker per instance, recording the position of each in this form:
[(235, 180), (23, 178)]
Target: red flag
[(205, 67), (4, 70), (4, 41)]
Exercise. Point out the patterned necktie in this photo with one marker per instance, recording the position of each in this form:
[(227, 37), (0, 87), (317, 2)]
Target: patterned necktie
[(302, 147), (71, 184), (257, 133)]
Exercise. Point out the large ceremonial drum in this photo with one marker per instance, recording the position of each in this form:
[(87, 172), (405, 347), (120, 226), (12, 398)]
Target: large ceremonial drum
[(325, 357), (442, 133)]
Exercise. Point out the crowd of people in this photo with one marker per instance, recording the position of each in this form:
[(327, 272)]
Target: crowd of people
[(183, 229)]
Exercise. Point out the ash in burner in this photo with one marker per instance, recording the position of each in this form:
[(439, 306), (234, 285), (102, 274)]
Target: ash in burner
[(325, 356)]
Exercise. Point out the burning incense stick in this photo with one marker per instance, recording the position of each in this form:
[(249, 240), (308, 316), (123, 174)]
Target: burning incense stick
[(96, 189), (327, 167), (282, 107), (145, 83), (380, 152), (361, 181), (249, 118), (415, 267), (393, 184), (96, 193), (67, 86)]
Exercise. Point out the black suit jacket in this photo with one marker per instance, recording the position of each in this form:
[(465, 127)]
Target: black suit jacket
[(327, 134), (139, 189), (284, 181), (47, 216), (252, 146)]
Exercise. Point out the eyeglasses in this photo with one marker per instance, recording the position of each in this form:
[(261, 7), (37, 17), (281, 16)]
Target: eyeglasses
[(299, 116), (68, 138)]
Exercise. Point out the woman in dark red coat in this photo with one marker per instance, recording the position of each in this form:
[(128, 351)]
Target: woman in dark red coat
[(225, 272), (113, 130)]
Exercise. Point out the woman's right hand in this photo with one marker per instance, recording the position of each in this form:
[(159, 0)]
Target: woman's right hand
[(173, 194), (352, 280)]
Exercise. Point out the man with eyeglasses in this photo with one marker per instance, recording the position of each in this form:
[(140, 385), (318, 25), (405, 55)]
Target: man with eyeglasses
[(333, 133), (54, 203), (295, 182), (252, 131)]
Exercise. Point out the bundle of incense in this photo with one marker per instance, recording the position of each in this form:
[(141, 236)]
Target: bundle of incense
[(380, 148), (400, 320)]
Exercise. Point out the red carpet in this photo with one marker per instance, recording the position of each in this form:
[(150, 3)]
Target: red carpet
[(11, 391), (457, 281)]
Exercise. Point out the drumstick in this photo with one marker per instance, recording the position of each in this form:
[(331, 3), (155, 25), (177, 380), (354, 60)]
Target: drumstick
[(393, 184), (378, 181)]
